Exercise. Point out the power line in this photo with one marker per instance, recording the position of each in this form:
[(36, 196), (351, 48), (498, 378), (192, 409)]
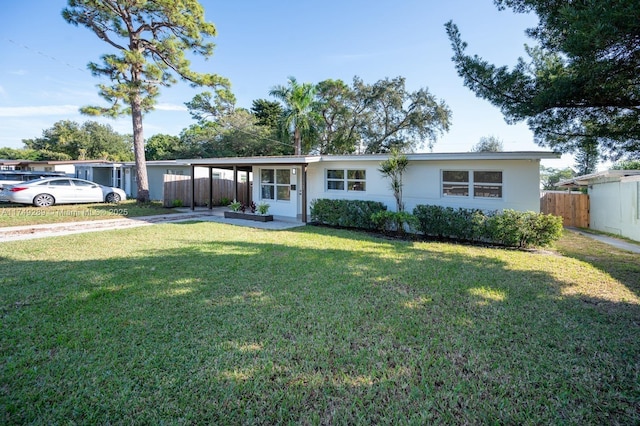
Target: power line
[(38, 52)]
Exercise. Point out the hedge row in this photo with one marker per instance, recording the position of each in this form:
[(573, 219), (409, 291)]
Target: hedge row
[(345, 213), (509, 227)]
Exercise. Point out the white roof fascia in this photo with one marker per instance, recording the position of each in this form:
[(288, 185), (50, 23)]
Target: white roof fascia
[(599, 177), (300, 159)]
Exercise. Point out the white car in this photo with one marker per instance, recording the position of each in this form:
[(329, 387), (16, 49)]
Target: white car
[(49, 191)]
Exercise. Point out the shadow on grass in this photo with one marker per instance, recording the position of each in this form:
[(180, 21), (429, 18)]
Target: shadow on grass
[(334, 327), (622, 265)]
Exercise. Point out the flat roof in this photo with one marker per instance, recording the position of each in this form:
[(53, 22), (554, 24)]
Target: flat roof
[(307, 159), (600, 177)]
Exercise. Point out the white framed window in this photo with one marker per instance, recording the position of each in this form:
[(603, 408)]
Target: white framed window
[(175, 172), (487, 184), (275, 184), (472, 183), (346, 180), (455, 183)]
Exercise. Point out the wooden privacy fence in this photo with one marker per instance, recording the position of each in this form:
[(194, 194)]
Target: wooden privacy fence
[(178, 187), (572, 206)]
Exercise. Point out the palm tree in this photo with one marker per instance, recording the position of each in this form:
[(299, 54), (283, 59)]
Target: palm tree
[(297, 115)]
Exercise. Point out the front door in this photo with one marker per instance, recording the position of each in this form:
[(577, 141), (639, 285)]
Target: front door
[(279, 188)]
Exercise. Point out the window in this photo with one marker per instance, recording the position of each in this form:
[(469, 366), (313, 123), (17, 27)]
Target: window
[(455, 183), (57, 182), (275, 184), (350, 180), (174, 172), (487, 184), (478, 184)]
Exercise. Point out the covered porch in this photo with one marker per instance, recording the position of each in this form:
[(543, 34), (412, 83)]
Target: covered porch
[(280, 182)]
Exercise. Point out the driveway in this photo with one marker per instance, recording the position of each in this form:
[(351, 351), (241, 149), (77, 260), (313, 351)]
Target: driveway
[(16, 233)]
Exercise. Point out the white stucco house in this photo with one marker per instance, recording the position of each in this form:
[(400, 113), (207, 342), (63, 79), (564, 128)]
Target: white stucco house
[(614, 200), (484, 180)]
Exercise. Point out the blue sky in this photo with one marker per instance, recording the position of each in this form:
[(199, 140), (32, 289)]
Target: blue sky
[(44, 79)]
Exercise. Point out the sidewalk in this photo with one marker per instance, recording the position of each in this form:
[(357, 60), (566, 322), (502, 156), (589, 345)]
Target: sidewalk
[(15, 233), (615, 242)]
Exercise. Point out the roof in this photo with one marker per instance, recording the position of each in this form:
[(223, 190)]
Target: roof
[(600, 177), (49, 162), (307, 159)]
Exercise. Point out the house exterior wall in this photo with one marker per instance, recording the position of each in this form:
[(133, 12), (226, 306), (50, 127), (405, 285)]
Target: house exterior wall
[(423, 184), (615, 207)]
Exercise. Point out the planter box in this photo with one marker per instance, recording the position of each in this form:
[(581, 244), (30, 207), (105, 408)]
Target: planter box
[(248, 216)]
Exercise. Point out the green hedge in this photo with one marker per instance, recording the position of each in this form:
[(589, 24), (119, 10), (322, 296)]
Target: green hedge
[(396, 222), (510, 228), (345, 213)]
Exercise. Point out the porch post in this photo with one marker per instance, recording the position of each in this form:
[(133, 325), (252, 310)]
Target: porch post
[(235, 183), (193, 188), (210, 188), (248, 189), (304, 193)]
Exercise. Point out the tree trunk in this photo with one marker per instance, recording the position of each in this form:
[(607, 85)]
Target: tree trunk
[(297, 140), (138, 149)]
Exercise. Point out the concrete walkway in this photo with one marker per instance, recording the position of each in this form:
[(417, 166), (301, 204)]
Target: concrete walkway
[(15, 233), (615, 242)]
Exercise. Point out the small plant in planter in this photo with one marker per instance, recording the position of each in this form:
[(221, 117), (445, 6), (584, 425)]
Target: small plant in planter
[(235, 206), (252, 207), (263, 208), (243, 208)]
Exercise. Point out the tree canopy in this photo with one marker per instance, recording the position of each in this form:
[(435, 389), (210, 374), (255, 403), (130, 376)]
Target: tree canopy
[(150, 39), (68, 140), (488, 144), (580, 81), (332, 117)]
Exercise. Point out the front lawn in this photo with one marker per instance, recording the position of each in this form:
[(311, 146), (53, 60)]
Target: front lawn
[(20, 215), (206, 323)]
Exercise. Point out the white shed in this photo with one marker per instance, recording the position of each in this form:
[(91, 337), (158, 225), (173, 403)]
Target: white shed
[(614, 199)]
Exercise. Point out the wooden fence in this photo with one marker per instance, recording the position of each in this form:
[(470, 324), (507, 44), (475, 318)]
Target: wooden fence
[(178, 187), (572, 206)]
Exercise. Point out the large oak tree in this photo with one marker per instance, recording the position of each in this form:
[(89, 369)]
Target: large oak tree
[(151, 39), (580, 83)]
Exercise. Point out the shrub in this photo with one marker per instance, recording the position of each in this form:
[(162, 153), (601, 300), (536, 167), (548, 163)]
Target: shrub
[(345, 213), (177, 203), (224, 201), (447, 222), (398, 222), (510, 228), (235, 206)]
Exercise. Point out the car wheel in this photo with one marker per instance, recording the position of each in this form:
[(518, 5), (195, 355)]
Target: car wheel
[(112, 197), (43, 200)]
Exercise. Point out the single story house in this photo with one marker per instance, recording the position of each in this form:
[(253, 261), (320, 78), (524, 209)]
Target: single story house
[(483, 180), (122, 175), (63, 166), (614, 199)]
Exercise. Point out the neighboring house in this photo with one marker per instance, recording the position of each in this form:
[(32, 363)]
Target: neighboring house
[(483, 180), (123, 175), (64, 166), (614, 199)]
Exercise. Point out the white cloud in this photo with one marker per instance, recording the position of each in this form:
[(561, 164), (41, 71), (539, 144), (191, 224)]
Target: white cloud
[(32, 111), (170, 107)]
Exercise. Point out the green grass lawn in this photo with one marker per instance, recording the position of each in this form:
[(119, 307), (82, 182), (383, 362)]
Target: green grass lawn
[(20, 215), (205, 323)]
